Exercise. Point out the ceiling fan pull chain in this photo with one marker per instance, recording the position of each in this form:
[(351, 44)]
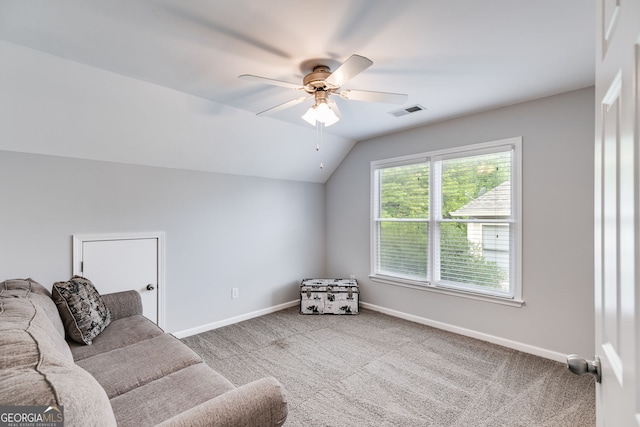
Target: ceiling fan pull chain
[(318, 135)]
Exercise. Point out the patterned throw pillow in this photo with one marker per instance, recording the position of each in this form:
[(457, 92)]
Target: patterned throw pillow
[(81, 308)]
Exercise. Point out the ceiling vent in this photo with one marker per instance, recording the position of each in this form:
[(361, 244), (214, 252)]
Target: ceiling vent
[(408, 110)]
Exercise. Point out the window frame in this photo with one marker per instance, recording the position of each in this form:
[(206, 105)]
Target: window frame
[(514, 297)]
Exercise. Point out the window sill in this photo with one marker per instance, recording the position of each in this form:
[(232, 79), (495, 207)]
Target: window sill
[(512, 302)]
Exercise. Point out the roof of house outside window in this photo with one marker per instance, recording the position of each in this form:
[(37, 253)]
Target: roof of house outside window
[(495, 203)]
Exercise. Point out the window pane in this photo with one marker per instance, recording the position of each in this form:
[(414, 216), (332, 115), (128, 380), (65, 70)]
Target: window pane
[(463, 258), (403, 249), (477, 186), (404, 191)]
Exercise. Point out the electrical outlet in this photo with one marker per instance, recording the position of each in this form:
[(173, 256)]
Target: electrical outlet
[(234, 293)]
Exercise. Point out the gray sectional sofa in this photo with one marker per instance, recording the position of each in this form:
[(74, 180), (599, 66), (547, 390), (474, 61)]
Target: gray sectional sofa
[(132, 374)]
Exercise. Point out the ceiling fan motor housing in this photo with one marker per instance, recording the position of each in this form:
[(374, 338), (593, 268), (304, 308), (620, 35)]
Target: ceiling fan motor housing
[(315, 80)]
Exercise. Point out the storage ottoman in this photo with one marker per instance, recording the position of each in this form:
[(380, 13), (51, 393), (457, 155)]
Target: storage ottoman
[(329, 296)]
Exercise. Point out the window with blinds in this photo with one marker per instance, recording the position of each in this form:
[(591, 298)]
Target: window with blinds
[(450, 219)]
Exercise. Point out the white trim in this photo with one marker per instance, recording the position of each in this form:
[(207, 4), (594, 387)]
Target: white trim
[(411, 159), (515, 345), (526, 348), (516, 182), (446, 153), (235, 319), (463, 293), (614, 361), (79, 239)]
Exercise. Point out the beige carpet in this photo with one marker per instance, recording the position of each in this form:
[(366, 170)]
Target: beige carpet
[(376, 370)]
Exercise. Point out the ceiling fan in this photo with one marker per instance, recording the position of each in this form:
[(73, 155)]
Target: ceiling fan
[(320, 83)]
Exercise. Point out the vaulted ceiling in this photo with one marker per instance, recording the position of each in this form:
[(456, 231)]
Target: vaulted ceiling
[(451, 57)]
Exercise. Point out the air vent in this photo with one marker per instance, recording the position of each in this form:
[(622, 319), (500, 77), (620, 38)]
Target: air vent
[(408, 110)]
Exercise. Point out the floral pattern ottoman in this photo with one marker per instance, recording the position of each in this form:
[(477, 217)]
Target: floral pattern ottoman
[(329, 296)]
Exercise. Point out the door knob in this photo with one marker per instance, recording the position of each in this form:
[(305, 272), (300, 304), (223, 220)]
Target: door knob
[(581, 366), (150, 287)]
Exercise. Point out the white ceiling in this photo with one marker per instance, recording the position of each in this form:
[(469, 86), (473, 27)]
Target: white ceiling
[(452, 57)]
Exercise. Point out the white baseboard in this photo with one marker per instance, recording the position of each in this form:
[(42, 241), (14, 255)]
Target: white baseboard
[(232, 320), (526, 348)]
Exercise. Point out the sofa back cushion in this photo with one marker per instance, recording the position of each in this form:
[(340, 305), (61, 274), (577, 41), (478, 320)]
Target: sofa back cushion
[(40, 295), (36, 366), (23, 324)]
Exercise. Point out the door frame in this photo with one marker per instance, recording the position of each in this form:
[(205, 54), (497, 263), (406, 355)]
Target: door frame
[(79, 239)]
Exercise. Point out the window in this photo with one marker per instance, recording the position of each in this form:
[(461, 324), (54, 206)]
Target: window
[(450, 220)]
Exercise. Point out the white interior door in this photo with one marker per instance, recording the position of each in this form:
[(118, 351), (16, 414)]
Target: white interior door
[(616, 212), (117, 263)]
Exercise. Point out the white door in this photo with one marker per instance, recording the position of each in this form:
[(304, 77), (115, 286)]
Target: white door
[(617, 212), (117, 263)]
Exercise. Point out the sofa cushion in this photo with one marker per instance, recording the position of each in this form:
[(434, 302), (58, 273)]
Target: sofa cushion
[(33, 290), (23, 322), (35, 369), (123, 369), (120, 333), (168, 396), (85, 402), (81, 308)]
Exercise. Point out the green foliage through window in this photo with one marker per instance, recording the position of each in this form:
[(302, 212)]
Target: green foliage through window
[(405, 191)]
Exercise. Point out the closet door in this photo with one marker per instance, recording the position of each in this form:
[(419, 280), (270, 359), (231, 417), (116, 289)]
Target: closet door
[(117, 263)]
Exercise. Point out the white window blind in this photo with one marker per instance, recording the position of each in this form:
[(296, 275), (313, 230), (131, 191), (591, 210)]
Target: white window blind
[(450, 219), (401, 217)]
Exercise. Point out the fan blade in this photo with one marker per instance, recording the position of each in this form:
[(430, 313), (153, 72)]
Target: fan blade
[(365, 95), (349, 69), (285, 105), (265, 80), (334, 107), (210, 30)]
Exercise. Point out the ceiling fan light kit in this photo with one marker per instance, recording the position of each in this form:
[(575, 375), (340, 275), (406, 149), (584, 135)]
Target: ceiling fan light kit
[(324, 111)]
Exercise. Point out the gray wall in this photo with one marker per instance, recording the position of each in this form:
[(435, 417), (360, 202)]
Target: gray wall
[(222, 231), (558, 135)]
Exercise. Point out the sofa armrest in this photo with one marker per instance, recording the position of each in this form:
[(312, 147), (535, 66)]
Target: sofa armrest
[(260, 403), (123, 304)]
